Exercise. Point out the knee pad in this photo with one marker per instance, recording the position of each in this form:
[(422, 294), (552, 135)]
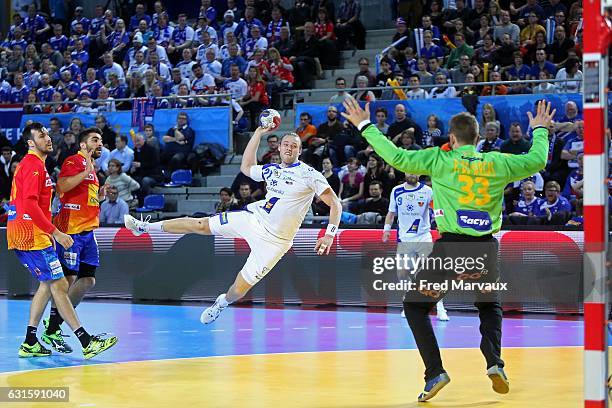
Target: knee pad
[(86, 271)]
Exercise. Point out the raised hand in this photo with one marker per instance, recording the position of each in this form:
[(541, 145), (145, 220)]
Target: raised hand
[(543, 115), (353, 112)]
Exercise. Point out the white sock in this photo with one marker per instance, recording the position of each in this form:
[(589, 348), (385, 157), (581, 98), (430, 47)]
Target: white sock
[(440, 306), (156, 226), (222, 301)]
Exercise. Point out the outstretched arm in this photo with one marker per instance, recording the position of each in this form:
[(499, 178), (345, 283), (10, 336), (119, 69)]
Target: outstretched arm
[(249, 157), (408, 161)]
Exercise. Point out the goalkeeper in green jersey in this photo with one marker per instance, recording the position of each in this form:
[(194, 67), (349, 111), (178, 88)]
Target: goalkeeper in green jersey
[(468, 189)]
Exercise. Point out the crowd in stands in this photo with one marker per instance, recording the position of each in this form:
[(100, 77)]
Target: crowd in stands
[(255, 52), (252, 52), (362, 179)]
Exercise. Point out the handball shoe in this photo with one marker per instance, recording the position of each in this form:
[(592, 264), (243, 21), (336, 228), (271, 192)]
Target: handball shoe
[(37, 350), (97, 345), (501, 385), (211, 313), (433, 386), (138, 227)]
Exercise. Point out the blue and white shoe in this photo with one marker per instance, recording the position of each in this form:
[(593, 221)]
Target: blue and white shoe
[(138, 227), (212, 312), (501, 385), (433, 386)]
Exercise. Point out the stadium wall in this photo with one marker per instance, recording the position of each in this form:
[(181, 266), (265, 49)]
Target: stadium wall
[(543, 269)]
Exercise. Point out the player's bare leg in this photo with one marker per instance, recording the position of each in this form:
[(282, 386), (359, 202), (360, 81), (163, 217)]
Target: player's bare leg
[(79, 288), (239, 288), (39, 303), (31, 347), (59, 291), (92, 345), (53, 333), (176, 226)]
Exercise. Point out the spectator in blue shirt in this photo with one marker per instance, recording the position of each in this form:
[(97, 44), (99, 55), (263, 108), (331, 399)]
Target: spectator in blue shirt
[(113, 208), (75, 71), (234, 58), (31, 77), (67, 87), (529, 203), (91, 83), (523, 12), (243, 31), (117, 89), (80, 57), (574, 146), (78, 18), (206, 10), (34, 25), (58, 42), (96, 23), (123, 153), (19, 92), (79, 34), (542, 63), (140, 15), (518, 71), (117, 40), (430, 50), (18, 40), (45, 92), (492, 142), (574, 183), (554, 209), (179, 142)]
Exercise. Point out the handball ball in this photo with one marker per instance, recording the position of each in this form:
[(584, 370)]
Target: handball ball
[(270, 119)]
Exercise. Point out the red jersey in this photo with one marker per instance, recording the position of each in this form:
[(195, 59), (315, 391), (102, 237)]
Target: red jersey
[(259, 86), (321, 30), (80, 210), (29, 224), (278, 70)]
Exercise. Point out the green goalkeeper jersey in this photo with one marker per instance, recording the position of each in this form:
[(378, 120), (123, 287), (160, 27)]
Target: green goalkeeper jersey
[(468, 186)]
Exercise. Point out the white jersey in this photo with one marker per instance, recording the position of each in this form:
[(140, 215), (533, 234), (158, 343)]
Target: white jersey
[(290, 193), (412, 208)]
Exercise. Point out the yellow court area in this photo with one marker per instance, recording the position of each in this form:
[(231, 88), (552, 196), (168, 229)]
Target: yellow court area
[(539, 377)]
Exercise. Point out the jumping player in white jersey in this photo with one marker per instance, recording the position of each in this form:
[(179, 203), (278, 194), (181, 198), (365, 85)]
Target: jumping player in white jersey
[(269, 225), (411, 202)]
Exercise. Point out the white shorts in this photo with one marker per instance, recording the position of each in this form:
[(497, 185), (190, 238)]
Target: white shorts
[(414, 250), (266, 249)]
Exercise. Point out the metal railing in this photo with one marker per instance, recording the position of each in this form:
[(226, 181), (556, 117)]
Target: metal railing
[(296, 93), (119, 100)]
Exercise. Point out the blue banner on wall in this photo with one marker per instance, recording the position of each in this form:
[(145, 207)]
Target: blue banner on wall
[(510, 108), (211, 125)]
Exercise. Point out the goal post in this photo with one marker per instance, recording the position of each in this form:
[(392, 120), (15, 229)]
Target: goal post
[(596, 40)]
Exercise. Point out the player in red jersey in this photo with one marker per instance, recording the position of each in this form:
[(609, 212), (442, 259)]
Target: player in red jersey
[(32, 236), (79, 194)]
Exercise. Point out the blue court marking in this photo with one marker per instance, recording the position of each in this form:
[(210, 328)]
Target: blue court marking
[(153, 332)]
